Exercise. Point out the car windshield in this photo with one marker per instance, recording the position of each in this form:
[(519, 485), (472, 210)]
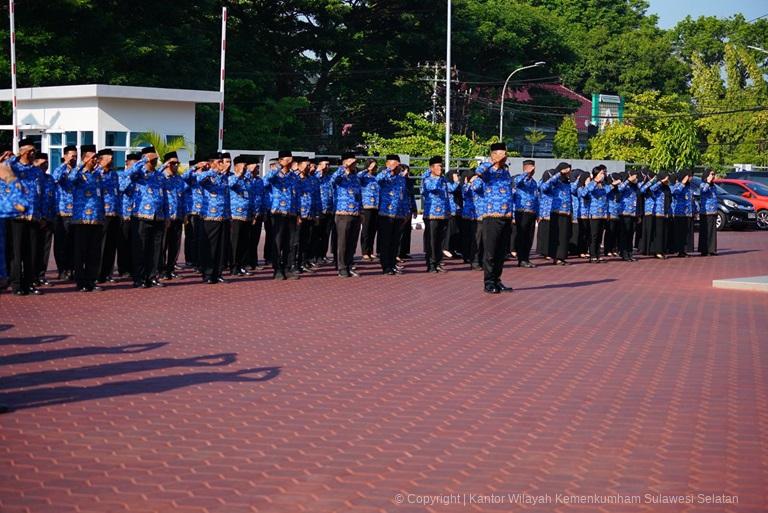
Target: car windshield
[(758, 188), (720, 190)]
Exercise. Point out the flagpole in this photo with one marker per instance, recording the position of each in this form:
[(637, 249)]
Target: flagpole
[(221, 76), (12, 14), (448, 92)]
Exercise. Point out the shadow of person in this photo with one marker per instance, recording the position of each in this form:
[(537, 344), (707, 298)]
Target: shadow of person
[(570, 285), (30, 341), (32, 379), (5, 327), (74, 352), (25, 399)]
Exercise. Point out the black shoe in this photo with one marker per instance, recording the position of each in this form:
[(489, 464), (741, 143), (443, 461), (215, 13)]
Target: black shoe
[(35, 291), (43, 281), (561, 262), (278, 275), (476, 267), (136, 284), (212, 281), (157, 283), (390, 272), (353, 273), (440, 269), (503, 288), (344, 274), (245, 272), (20, 292), (397, 270), (491, 290), (221, 279), (96, 288), (84, 289), (526, 264), (293, 275)]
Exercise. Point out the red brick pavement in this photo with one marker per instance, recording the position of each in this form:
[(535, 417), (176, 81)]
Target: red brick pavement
[(335, 395)]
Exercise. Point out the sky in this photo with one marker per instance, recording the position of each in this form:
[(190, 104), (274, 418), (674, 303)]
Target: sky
[(672, 11)]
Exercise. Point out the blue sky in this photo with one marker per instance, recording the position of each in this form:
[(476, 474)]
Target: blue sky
[(672, 11)]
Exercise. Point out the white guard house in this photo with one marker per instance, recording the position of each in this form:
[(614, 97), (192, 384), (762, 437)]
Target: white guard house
[(105, 115)]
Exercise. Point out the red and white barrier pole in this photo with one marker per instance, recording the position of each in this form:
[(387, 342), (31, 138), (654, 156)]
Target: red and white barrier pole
[(221, 81), (11, 9)]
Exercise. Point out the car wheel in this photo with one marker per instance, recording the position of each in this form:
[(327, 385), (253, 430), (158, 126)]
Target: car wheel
[(720, 222), (762, 219)]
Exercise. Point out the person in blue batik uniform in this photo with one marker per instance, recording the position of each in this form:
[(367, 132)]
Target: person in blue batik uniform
[(682, 212), (148, 184), (84, 182), (497, 216), (612, 226), (627, 192), (646, 196), (347, 193), (326, 228), (708, 214), (435, 192), (257, 211), (215, 215), (308, 194), (48, 214), (596, 191), (545, 207), (12, 203), (240, 206), (125, 198), (393, 210), (283, 215), (561, 189), (110, 187), (175, 211), (23, 230), (526, 208), (62, 238), (369, 214), (471, 219)]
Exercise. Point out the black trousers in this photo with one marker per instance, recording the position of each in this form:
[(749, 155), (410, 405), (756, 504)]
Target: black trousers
[(495, 236), (596, 228), (191, 241), (44, 243), (322, 235), (469, 240), (283, 229), (388, 239), (708, 234), (21, 241), (559, 235), (254, 238), (369, 223), (269, 237), (542, 238), (453, 241), (304, 246), (646, 237), (659, 236), (240, 234), (405, 238), (434, 238), (171, 245), (88, 243), (526, 226), (110, 241), (681, 229), (584, 236), (125, 248), (611, 242), (147, 239), (347, 228), (62, 244), (213, 247), (626, 236)]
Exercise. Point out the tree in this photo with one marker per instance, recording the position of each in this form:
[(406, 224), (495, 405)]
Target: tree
[(566, 142), (534, 137), (418, 137), (621, 142), (162, 146), (676, 147)]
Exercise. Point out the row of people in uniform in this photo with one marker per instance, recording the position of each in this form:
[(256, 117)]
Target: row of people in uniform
[(138, 214)]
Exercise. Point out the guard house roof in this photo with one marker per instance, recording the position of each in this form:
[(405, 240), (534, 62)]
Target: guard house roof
[(111, 91)]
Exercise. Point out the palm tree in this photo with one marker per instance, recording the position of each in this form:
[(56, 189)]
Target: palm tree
[(534, 137), (161, 145)]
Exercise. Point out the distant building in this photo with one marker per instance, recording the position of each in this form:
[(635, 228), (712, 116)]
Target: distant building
[(105, 115)]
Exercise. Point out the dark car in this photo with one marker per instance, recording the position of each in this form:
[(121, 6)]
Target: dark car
[(734, 211), (754, 176)]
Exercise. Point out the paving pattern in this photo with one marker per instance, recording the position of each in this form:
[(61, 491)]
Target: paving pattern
[(381, 393)]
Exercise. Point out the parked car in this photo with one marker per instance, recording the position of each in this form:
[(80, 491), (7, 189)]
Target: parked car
[(734, 211), (754, 192), (754, 176)]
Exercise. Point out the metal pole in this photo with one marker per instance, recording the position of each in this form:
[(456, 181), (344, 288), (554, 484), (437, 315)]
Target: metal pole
[(221, 81), (448, 92), (12, 14), (503, 93), (434, 93)]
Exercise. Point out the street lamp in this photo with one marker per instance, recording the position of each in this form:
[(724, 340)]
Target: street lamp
[(504, 91)]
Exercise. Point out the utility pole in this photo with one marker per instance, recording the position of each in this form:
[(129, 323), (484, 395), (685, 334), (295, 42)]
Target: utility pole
[(434, 94)]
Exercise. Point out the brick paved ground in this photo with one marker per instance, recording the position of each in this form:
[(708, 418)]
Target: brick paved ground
[(335, 395)]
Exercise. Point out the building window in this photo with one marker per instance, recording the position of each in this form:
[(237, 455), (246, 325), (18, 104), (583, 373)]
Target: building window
[(118, 159), (54, 157), (54, 139), (170, 138), (116, 139), (86, 137), (70, 138)]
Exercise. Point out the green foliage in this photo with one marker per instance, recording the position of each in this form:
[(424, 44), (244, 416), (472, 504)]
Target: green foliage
[(418, 137), (566, 142), (676, 146), (159, 142), (534, 137), (621, 142)]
